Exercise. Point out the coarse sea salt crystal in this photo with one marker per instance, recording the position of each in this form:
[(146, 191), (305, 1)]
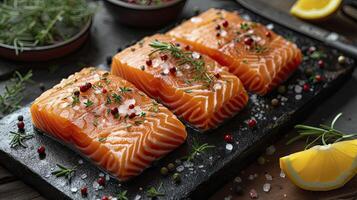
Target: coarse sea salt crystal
[(298, 97), (268, 177), (180, 168), (270, 26), (196, 55), (196, 19), (238, 179), (229, 147), (298, 89), (266, 187), (107, 177), (80, 161), (137, 197), (251, 177), (282, 174), (224, 33), (74, 189), (188, 164), (84, 176)]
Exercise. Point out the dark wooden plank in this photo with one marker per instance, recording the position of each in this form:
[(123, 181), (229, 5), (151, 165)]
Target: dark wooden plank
[(17, 190), (5, 176)]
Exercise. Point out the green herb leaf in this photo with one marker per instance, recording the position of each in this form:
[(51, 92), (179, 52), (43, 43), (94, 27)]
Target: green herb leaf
[(244, 26), (68, 173), (153, 192), (75, 100), (125, 89), (198, 149), (122, 195), (88, 103), (117, 98), (19, 138)]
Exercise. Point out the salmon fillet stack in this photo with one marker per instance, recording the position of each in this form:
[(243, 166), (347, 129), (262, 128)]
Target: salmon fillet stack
[(192, 85), (259, 57), (109, 121)]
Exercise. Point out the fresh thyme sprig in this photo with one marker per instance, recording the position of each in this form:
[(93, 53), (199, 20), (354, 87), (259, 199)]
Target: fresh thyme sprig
[(184, 57), (122, 195), (19, 138), (10, 100), (68, 173), (153, 192), (197, 149), (323, 134), (29, 23)]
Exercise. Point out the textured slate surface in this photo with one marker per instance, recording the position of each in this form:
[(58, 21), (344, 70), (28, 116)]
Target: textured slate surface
[(210, 170)]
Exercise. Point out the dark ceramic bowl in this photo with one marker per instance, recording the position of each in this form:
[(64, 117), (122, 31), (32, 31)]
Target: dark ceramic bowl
[(143, 15), (45, 53)]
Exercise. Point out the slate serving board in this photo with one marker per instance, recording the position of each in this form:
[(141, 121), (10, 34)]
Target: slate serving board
[(210, 170)]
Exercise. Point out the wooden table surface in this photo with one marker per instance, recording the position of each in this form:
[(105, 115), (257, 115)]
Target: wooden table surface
[(12, 188)]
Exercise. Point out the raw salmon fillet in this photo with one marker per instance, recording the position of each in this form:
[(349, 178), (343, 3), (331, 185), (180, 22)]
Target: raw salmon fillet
[(259, 57), (123, 142), (204, 94)]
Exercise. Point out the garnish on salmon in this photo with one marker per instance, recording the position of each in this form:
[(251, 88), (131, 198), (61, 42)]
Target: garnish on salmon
[(108, 120), (192, 85), (258, 56)]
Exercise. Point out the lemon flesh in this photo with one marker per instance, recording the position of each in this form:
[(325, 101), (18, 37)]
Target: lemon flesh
[(315, 9), (322, 168)]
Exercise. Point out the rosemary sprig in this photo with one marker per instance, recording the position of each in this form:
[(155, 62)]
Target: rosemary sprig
[(10, 100), (184, 57), (197, 149), (153, 192), (122, 195), (19, 138), (29, 23), (321, 135), (62, 171)]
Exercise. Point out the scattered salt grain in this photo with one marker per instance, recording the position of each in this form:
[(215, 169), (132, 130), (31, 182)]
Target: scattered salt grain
[(298, 89), (137, 197), (101, 174), (266, 187), (238, 179), (80, 161), (246, 17), (196, 55), (251, 177), (107, 177), (74, 190), (180, 168), (298, 97), (268, 177), (253, 194), (223, 33), (84, 176), (255, 175), (228, 197), (282, 174), (229, 147), (217, 86), (200, 166), (196, 19), (188, 164), (270, 26)]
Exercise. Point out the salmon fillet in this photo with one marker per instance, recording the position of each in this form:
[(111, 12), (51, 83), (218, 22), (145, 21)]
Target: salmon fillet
[(192, 85), (114, 124), (259, 57)]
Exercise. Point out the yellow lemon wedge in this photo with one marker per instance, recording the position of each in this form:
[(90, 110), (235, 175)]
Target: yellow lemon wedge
[(315, 9), (322, 168)]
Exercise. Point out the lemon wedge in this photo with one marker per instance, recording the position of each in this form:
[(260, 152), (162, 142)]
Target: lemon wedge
[(315, 9), (322, 168)]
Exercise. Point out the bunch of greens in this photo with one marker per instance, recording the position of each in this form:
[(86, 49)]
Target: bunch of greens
[(30, 23)]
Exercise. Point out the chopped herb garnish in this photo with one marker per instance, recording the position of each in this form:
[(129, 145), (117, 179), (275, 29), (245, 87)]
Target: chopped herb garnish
[(259, 49), (244, 26), (142, 114), (188, 91), (108, 101), (88, 103), (138, 122), (68, 173), (122, 195), (245, 61), (184, 58), (125, 89), (18, 139), (318, 55), (10, 100), (102, 139), (153, 192), (154, 107), (325, 134), (198, 149), (117, 98), (75, 100)]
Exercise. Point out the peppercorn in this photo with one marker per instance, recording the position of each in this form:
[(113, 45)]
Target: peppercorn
[(41, 150), (311, 49), (105, 198), (149, 62), (173, 70), (225, 24), (101, 181), (114, 111), (252, 123), (164, 57), (261, 160), (176, 177), (109, 60), (318, 78), (84, 191), (20, 125), (132, 115), (187, 47), (171, 167), (104, 90), (275, 102), (341, 60), (20, 118), (196, 10), (248, 41), (85, 87), (42, 87), (88, 85), (164, 171), (119, 49), (228, 138), (306, 87), (282, 89), (218, 27), (268, 34), (321, 64), (309, 71), (218, 34), (142, 67), (131, 106), (76, 93), (217, 75)]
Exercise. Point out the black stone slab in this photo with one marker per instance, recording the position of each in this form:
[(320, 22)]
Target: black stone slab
[(209, 171)]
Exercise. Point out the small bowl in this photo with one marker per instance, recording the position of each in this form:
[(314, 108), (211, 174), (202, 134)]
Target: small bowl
[(144, 15), (45, 53)]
